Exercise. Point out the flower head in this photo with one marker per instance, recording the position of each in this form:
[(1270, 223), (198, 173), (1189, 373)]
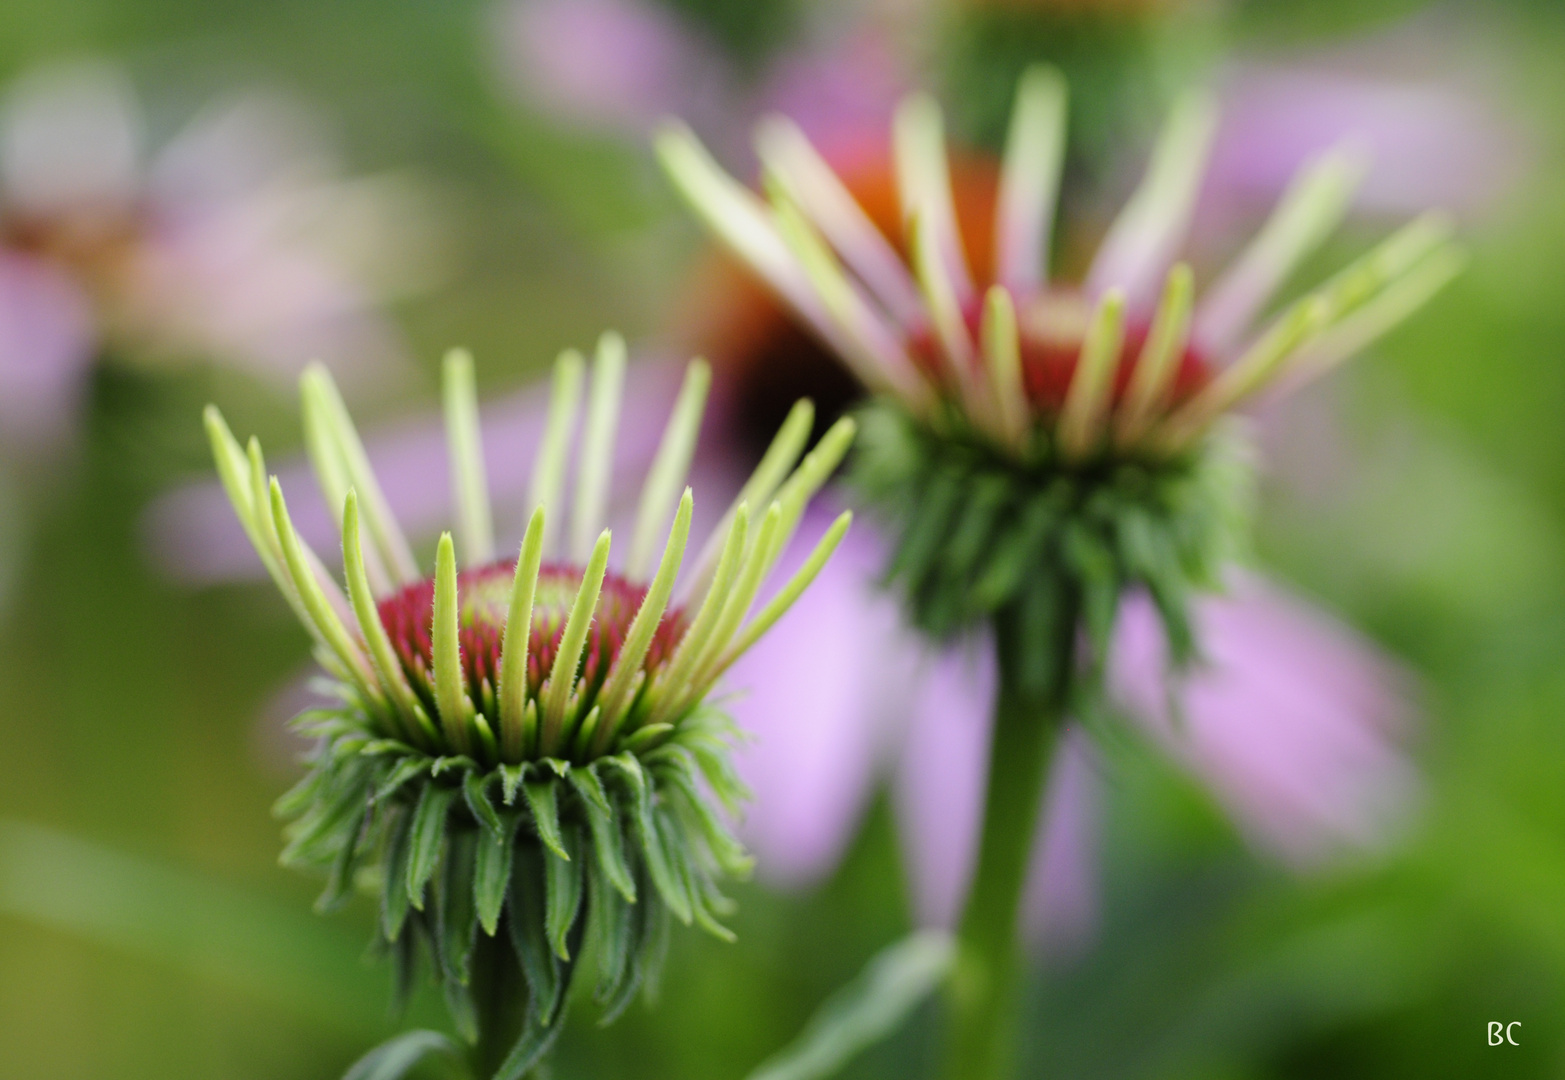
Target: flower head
[(1035, 422), (527, 726)]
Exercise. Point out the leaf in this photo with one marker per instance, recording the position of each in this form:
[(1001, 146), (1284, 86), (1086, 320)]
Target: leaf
[(607, 841), (1017, 551), (679, 775), (654, 936), (609, 925), (318, 836), (492, 874), (1089, 557), (866, 1010), (457, 918), (536, 1040), (663, 877), (394, 897), (539, 966), (297, 799), (404, 957), (475, 788), (510, 780), (339, 883), (382, 747), (562, 891), (446, 764), (923, 538), (976, 529), (396, 1057), (704, 735), (645, 738), (1045, 616), (542, 799), (680, 860), (404, 771), (429, 829), (463, 1010)]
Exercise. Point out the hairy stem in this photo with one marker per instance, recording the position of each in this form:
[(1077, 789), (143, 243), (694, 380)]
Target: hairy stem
[(1030, 703)]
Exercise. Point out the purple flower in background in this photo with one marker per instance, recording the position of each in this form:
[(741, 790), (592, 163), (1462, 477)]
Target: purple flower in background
[(1415, 97), (611, 64), (236, 241), (1293, 722), (621, 65)]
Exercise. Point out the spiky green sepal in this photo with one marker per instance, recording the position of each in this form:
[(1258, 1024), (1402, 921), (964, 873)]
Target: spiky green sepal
[(551, 860), (979, 535)]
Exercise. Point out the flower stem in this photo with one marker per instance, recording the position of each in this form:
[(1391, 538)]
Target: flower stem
[(500, 994), (1029, 711)]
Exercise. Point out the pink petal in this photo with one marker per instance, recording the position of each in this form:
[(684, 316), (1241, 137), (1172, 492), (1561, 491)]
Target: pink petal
[(237, 149), (46, 347), (939, 799), (1429, 142), (841, 94), (225, 284), (1292, 721), (617, 64), (813, 695)]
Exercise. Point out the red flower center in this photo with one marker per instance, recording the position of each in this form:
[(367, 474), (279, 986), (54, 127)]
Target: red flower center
[(484, 599), (1052, 327)]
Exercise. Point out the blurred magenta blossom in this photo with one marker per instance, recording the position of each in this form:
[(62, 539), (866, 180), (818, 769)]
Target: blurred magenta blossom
[(237, 241), (1293, 722), (1428, 142), (621, 65)]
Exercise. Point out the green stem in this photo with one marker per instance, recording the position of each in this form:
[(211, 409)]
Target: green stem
[(500, 994), (1029, 711)]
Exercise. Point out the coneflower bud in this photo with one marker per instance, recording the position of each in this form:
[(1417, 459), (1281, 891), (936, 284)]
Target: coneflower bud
[(1037, 445), (523, 754)]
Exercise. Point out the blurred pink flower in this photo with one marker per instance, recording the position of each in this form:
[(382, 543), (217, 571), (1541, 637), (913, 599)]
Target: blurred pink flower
[(1294, 723), (234, 242), (1427, 141), (622, 65), (46, 342), (612, 64), (1292, 720)]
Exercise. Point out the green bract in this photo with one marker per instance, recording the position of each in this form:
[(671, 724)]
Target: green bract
[(522, 760), (977, 532)]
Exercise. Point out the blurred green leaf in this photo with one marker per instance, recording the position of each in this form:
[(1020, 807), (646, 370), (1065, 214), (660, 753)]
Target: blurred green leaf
[(394, 1059), (290, 958), (867, 1010)]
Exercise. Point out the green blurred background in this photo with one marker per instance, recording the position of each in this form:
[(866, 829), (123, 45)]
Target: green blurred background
[(146, 930)]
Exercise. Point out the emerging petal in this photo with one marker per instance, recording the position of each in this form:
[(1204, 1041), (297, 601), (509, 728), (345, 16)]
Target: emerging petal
[(195, 534)]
